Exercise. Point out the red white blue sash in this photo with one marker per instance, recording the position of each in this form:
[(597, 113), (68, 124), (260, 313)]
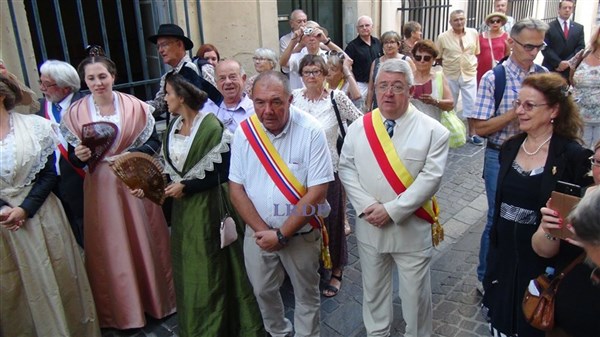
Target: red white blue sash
[(62, 145)]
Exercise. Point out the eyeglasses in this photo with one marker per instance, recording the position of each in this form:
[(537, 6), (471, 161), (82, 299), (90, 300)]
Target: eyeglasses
[(530, 47), (390, 42), (492, 21), (364, 26), (259, 59), (594, 161), (595, 276), (425, 58), (396, 88), (527, 106), (313, 73), (46, 85), (163, 45)]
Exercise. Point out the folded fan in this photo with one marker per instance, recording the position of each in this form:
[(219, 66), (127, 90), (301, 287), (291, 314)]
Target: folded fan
[(141, 171), (98, 137)]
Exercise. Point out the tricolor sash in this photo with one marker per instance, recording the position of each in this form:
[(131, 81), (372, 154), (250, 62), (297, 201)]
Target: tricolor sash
[(62, 145), (281, 174), (394, 170)]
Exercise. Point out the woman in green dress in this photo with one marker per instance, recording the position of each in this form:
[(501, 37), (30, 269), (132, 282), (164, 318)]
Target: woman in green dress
[(214, 296)]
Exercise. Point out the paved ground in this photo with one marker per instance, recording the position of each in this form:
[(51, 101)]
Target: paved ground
[(456, 309)]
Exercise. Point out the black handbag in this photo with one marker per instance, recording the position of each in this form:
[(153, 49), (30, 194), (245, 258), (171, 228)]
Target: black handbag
[(340, 140)]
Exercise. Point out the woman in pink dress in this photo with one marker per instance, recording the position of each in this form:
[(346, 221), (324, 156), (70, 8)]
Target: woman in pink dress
[(126, 239), (492, 44)]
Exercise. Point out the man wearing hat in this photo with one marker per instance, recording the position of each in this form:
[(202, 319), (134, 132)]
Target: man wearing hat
[(172, 45), (310, 37)]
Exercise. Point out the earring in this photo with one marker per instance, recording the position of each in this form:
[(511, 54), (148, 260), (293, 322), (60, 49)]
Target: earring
[(552, 121)]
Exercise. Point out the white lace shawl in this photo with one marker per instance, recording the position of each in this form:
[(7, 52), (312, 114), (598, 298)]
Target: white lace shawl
[(207, 163), (35, 139)]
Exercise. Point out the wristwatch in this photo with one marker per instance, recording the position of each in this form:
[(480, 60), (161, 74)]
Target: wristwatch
[(281, 238)]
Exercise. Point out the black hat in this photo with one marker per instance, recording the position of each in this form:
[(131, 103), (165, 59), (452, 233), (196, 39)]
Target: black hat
[(172, 30)]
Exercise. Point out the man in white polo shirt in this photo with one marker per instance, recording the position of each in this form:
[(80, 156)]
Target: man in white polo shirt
[(279, 238)]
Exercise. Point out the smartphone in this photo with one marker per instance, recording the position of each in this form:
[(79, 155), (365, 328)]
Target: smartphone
[(564, 198)]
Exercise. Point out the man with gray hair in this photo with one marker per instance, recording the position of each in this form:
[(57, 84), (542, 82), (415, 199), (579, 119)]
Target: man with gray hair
[(363, 50), (298, 20), (395, 200), (236, 105), (60, 83), (495, 117), (281, 242)]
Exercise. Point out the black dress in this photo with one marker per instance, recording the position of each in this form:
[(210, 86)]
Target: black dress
[(513, 259), (512, 263)]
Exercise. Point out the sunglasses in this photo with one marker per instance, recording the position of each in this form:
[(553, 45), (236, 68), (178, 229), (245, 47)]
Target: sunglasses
[(341, 55), (425, 58), (492, 21)]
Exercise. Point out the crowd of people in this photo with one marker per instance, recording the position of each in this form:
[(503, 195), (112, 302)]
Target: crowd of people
[(281, 156)]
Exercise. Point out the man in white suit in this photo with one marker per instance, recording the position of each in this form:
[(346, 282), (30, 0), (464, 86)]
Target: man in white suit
[(392, 226)]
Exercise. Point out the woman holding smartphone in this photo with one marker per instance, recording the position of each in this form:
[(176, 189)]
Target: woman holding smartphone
[(578, 297), (432, 92), (531, 164)]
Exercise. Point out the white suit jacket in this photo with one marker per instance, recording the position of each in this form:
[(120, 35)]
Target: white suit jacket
[(422, 144)]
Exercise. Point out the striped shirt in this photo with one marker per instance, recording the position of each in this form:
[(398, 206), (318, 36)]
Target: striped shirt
[(485, 99)]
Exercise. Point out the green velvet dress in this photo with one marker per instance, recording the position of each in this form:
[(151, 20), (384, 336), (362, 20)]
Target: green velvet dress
[(214, 296)]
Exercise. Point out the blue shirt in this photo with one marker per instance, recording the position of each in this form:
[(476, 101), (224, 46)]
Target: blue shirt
[(485, 99)]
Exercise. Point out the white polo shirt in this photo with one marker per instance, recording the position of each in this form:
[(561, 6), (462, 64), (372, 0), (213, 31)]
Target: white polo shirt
[(303, 147)]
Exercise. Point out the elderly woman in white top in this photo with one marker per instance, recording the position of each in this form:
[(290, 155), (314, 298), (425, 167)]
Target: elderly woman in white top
[(318, 101), (264, 60)]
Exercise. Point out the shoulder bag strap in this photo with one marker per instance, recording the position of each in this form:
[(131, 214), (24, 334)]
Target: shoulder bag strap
[(499, 85), (489, 38), (337, 115)]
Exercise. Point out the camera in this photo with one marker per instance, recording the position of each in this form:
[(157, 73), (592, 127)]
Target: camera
[(308, 31)]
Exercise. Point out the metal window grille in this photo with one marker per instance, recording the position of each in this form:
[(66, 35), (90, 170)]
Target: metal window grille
[(433, 15), (61, 29)]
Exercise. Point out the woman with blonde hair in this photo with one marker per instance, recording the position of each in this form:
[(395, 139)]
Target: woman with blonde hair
[(584, 77), (340, 77)]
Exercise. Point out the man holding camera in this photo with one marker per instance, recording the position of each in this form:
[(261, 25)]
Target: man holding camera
[(310, 37)]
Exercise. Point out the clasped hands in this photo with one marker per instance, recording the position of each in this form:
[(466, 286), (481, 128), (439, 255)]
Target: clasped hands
[(376, 215), (12, 217)]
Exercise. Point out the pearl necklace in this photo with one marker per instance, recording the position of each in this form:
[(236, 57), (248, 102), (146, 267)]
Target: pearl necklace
[(536, 150)]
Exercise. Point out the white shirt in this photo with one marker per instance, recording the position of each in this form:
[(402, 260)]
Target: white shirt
[(231, 117), (303, 147), (324, 112), (562, 24), (284, 41)]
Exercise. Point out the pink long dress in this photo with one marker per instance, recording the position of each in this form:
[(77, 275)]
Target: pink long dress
[(126, 239), (484, 59)]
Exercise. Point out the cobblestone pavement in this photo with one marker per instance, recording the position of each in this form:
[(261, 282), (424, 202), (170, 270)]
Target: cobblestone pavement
[(456, 310)]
